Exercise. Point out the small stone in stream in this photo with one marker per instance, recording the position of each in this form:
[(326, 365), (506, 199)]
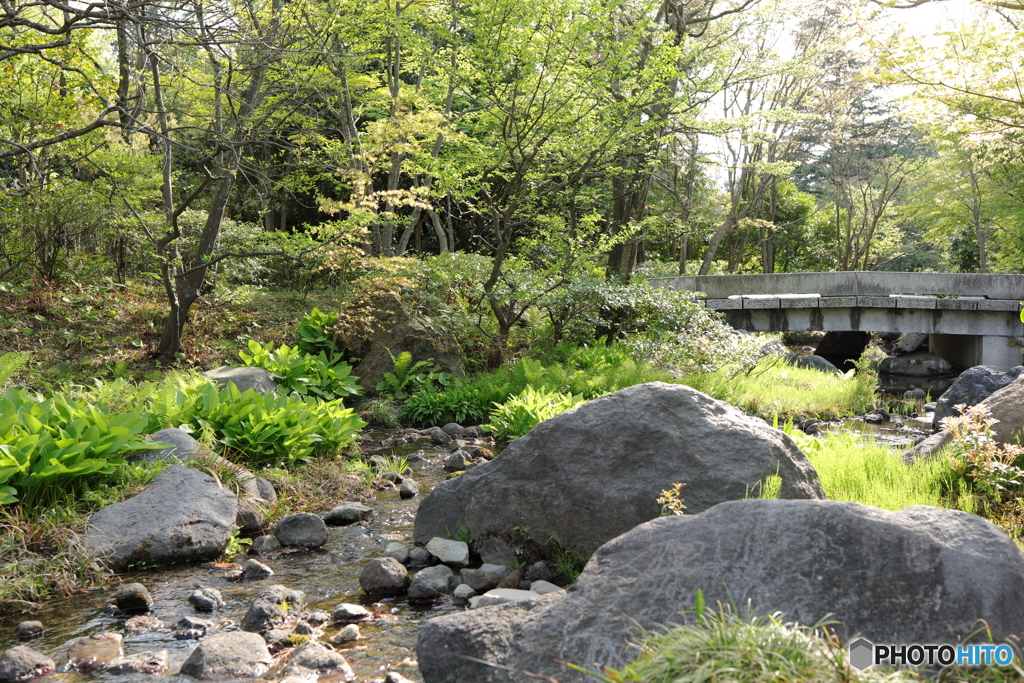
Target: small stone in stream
[(318, 617), (384, 575), (271, 606), (264, 545), (253, 570), (419, 557), (394, 677), (545, 587), (415, 457), (89, 653), (480, 452), (347, 613), (346, 635), (463, 592), (304, 628), (399, 551), (301, 529), (190, 634), (21, 663), (132, 597), (318, 658), (513, 580), (454, 553), (233, 654), (408, 489), (143, 623), (188, 622), (140, 663), (453, 429), (27, 630), (206, 599), (348, 513), (278, 638), (394, 477)]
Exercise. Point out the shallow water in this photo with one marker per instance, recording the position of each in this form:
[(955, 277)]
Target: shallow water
[(328, 576)]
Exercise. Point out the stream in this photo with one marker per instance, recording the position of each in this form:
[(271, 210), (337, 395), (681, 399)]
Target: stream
[(328, 576)]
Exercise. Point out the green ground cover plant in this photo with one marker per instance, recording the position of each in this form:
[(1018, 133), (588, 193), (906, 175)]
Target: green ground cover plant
[(726, 644), (771, 388), (520, 414), (296, 372)]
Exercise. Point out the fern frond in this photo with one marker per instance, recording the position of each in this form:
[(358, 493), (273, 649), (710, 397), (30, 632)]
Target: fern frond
[(10, 363)]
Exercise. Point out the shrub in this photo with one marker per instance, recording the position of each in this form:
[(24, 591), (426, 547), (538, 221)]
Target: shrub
[(53, 449), (315, 336), (319, 376), (271, 430), (407, 375), (460, 404), (518, 415)]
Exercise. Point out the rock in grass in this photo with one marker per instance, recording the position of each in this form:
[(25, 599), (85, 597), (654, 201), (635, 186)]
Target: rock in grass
[(233, 654), (594, 472), (184, 515), (22, 663), (919, 575), (245, 378)]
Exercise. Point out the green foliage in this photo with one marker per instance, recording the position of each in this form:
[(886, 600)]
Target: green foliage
[(55, 448), (518, 415), (317, 376), (772, 388), (236, 545), (315, 336), (460, 404), (724, 645), (10, 363), (569, 562), (270, 430), (854, 469), (406, 375), (382, 410)]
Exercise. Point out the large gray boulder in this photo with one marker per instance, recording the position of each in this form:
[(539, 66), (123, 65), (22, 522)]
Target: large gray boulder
[(920, 575), (972, 387), (184, 515), (592, 473), (245, 378)]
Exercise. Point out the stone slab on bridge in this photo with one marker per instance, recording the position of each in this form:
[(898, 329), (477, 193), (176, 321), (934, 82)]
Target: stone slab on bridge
[(971, 318)]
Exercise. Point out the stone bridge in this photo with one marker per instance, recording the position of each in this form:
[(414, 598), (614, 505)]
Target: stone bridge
[(971, 318)]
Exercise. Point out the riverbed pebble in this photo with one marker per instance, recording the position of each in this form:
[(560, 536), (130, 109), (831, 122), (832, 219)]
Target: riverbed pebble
[(301, 529), (454, 553), (94, 652), (22, 663), (206, 599), (408, 489), (419, 557), (253, 570), (384, 575), (431, 582), (27, 630), (348, 513), (147, 662), (463, 592), (264, 545), (132, 597), (320, 659), (346, 635), (232, 654), (271, 606), (545, 587), (399, 551), (347, 613)]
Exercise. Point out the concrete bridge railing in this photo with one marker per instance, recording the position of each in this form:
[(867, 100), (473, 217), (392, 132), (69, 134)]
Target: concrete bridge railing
[(971, 318)]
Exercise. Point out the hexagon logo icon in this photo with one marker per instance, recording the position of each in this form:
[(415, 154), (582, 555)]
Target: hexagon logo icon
[(862, 654)]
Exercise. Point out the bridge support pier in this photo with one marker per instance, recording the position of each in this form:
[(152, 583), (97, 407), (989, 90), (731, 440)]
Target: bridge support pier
[(968, 350)]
